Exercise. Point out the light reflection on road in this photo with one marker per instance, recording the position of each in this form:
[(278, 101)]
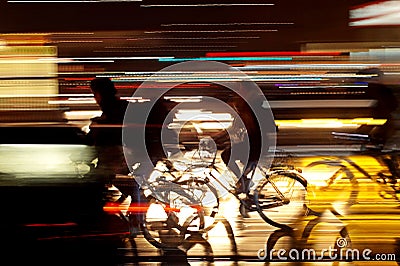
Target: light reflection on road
[(353, 211)]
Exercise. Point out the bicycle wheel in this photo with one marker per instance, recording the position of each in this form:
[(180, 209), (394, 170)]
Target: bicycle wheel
[(163, 228), (180, 213), (210, 205), (206, 197), (340, 191), (280, 199)]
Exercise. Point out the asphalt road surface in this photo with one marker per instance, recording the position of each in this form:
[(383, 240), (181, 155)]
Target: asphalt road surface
[(63, 223)]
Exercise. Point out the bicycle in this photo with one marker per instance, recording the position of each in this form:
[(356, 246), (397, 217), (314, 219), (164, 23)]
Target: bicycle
[(183, 196), (168, 212), (179, 205), (390, 178), (346, 172), (279, 196), (330, 190)]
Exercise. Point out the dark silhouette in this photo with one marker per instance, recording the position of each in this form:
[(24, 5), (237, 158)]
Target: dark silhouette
[(246, 140), (386, 105), (106, 130), (106, 136), (249, 142), (156, 112), (156, 121)]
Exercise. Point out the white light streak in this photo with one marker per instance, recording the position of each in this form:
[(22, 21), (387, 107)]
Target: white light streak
[(193, 99), (328, 123), (72, 41), (202, 116), (194, 38), (215, 125), (160, 50), (376, 13), (73, 101), (342, 103), (350, 135), (327, 92), (101, 59), (86, 61), (227, 24), (209, 5), (45, 95), (308, 66), (321, 86), (169, 46), (78, 115)]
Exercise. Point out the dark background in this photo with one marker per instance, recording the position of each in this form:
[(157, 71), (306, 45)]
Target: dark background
[(313, 21)]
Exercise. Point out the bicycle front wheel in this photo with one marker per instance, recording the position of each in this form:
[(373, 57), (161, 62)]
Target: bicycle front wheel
[(179, 211), (166, 225), (280, 199)]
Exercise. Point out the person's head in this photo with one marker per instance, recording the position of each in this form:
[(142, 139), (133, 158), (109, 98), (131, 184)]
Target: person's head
[(103, 90)]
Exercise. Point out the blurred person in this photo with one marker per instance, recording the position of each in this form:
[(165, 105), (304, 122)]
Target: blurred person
[(386, 104), (247, 139), (157, 118), (245, 142), (105, 135), (105, 131)]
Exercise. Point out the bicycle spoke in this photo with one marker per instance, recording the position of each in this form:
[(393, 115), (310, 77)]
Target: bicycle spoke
[(280, 200)]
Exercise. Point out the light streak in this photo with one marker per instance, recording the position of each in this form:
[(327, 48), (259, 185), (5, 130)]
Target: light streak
[(73, 101), (109, 58), (72, 41), (308, 66), (284, 53), (52, 225), (158, 50), (329, 123), (209, 31), (86, 61), (328, 86), (69, 1), (342, 103), (201, 116), (227, 24), (375, 13), (226, 59), (168, 46), (45, 95), (194, 38), (209, 5), (78, 115), (47, 33)]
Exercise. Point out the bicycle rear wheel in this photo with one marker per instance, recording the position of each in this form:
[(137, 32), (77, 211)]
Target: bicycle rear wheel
[(340, 191), (165, 226), (182, 212), (280, 199)]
